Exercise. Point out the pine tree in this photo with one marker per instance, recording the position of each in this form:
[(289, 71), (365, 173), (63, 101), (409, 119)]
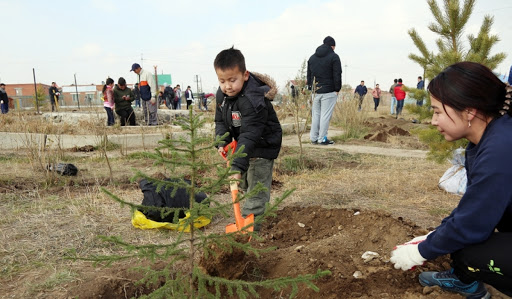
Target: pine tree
[(183, 155), (449, 25), (40, 98)]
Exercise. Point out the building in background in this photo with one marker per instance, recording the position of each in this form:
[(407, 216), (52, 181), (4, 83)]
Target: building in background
[(162, 79), (22, 95), (88, 95)]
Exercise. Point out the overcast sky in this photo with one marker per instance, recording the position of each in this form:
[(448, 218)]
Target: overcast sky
[(96, 39)]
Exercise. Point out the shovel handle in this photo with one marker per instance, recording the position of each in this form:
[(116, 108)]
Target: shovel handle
[(232, 145), (239, 220)]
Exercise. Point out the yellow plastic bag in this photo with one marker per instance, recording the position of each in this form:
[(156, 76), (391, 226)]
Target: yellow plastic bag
[(139, 220)]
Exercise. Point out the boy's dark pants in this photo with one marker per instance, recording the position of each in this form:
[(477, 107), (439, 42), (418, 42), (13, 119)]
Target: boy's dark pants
[(126, 114), (260, 170)]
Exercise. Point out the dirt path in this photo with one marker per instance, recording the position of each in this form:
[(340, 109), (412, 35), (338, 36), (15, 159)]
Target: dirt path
[(291, 140)]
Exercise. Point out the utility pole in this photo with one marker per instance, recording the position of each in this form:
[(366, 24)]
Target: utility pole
[(199, 99), (77, 95), (35, 87), (346, 73), (156, 80)]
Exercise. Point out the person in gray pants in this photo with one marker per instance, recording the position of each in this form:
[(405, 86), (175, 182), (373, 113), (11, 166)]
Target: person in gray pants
[(324, 69)]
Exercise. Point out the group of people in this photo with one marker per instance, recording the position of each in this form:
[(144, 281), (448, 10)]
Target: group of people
[(397, 92), (398, 95), (324, 76), (468, 101), (171, 97), (119, 98)]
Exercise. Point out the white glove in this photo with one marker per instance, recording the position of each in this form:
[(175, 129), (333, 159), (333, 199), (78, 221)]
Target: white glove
[(406, 257), (418, 240), (1, 102)]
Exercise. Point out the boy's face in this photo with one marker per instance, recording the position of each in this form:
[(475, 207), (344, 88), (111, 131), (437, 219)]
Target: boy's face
[(232, 80)]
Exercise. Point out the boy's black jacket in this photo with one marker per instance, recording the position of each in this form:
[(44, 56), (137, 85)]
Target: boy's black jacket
[(250, 119)]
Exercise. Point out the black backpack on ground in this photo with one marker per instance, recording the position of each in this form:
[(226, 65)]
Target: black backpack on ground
[(163, 198), (63, 168)]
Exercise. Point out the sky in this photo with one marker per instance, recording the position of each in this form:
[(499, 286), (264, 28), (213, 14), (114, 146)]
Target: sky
[(97, 39)]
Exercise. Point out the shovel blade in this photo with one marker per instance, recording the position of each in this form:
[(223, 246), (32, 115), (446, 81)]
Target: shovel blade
[(231, 228)]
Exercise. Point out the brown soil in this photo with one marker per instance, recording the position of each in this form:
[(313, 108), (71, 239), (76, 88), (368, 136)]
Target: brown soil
[(329, 239), (313, 238)]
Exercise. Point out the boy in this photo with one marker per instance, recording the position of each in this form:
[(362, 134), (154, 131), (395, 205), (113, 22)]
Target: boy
[(123, 98), (245, 112)]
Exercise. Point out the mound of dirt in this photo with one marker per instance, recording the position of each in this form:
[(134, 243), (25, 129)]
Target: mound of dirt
[(397, 131), (307, 239), (383, 134), (312, 238)]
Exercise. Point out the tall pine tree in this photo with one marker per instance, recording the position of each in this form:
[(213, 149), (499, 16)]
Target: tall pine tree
[(449, 25)]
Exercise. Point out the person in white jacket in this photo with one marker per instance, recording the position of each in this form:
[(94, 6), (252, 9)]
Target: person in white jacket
[(147, 88)]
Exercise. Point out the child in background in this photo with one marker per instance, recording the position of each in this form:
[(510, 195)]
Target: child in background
[(123, 98), (108, 100)]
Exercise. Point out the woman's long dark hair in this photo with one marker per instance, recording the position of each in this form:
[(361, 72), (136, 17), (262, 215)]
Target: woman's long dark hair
[(469, 85), (109, 81)]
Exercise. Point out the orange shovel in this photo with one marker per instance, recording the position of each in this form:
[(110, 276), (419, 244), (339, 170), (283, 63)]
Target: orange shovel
[(240, 222)]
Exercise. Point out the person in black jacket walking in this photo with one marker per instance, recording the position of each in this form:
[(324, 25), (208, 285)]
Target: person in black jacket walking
[(245, 112), (324, 69)]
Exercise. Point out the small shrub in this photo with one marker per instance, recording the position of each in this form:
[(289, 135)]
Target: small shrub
[(347, 116), (440, 149)]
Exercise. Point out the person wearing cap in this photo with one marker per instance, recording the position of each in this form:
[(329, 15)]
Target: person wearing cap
[(4, 99), (324, 69), (147, 89), (189, 96)]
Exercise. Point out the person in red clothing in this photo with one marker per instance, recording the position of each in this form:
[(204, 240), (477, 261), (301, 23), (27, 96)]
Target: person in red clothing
[(400, 96)]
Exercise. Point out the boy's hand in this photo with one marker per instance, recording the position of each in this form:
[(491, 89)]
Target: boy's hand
[(221, 151), (236, 176)]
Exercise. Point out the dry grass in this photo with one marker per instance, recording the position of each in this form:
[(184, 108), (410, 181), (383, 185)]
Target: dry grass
[(406, 187), (40, 223)]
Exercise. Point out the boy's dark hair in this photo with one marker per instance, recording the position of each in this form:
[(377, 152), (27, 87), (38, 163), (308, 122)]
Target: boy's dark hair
[(400, 80), (419, 77), (229, 59), (121, 81), (396, 80)]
